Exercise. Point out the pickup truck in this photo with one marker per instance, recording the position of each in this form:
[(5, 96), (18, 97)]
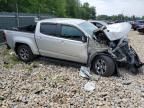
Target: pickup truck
[(75, 40)]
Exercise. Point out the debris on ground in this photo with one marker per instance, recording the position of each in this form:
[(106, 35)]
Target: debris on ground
[(85, 72), (89, 86)]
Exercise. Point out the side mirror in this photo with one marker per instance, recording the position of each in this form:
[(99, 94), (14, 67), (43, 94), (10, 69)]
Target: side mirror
[(84, 39)]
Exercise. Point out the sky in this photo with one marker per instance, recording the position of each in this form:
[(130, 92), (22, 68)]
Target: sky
[(114, 7)]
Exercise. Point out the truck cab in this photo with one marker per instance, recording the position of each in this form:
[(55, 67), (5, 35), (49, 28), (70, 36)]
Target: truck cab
[(62, 39)]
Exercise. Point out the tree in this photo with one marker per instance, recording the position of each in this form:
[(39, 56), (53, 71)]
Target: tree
[(93, 13), (60, 8), (72, 8)]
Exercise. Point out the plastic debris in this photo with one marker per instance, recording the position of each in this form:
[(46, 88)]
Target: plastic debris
[(40, 65), (11, 53), (85, 72), (90, 86)]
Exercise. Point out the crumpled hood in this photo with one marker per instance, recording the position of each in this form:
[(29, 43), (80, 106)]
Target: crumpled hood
[(117, 31)]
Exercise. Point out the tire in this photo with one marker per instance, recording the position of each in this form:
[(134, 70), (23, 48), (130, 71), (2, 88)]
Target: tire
[(24, 53), (104, 66)]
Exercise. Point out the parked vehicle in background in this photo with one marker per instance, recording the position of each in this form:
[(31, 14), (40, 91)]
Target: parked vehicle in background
[(140, 28), (136, 24), (110, 22), (97, 23), (76, 40), (119, 21)]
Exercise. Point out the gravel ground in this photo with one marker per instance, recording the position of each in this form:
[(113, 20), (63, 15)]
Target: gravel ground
[(51, 84)]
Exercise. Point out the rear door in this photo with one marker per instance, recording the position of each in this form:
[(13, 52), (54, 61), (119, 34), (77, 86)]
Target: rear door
[(47, 39)]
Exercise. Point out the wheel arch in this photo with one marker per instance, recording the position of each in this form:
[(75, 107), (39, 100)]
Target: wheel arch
[(17, 44), (94, 56)]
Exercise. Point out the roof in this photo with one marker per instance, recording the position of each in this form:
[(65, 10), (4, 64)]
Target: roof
[(98, 21), (64, 21)]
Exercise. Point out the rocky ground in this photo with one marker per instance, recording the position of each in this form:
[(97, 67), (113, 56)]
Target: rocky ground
[(50, 84)]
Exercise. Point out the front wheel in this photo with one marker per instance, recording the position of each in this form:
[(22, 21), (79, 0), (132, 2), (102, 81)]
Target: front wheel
[(104, 66), (24, 53)]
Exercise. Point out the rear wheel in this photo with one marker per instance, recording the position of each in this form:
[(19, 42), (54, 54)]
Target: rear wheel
[(104, 66), (24, 53)]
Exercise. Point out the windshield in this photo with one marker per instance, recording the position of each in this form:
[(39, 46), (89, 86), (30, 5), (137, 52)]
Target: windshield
[(88, 27)]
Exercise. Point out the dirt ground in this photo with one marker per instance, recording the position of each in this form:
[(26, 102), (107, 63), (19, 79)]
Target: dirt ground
[(47, 84), (137, 41)]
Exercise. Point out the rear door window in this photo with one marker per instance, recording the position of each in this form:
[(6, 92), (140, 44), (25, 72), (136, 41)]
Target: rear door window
[(49, 29)]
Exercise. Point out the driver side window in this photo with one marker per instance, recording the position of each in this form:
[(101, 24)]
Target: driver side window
[(70, 32)]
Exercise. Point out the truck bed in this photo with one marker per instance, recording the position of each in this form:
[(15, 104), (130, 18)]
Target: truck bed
[(29, 28), (21, 36)]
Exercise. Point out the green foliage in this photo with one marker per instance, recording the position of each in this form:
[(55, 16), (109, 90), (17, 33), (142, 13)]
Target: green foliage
[(60, 8)]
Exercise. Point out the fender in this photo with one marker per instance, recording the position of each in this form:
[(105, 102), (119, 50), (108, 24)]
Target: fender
[(27, 41)]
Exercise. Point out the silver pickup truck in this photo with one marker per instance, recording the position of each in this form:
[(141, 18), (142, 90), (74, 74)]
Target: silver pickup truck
[(75, 40)]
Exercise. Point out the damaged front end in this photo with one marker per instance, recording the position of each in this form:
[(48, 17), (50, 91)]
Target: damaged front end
[(115, 38), (124, 54)]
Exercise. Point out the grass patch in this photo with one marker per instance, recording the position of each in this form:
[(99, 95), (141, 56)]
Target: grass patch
[(57, 79), (29, 68), (2, 98), (9, 58)]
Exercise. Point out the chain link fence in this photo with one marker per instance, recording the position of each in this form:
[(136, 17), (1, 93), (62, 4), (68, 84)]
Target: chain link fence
[(10, 20)]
